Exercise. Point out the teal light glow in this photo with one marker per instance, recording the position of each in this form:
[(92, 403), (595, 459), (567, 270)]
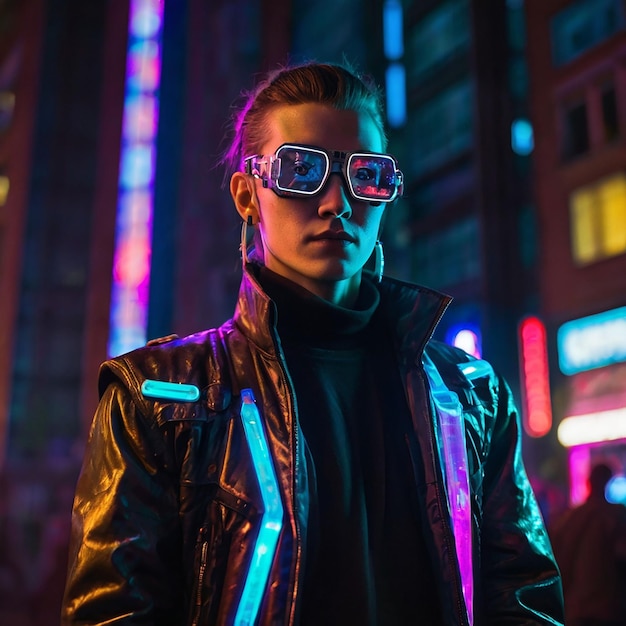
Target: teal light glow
[(522, 138), (163, 390), (272, 520), (395, 74), (393, 35), (395, 88)]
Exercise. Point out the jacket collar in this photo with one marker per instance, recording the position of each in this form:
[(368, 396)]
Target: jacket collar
[(411, 311)]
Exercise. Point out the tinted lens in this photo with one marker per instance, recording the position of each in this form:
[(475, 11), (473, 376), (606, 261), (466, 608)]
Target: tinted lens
[(372, 176), (302, 170)]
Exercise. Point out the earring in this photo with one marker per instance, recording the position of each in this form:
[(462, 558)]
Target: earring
[(243, 246), (379, 261)]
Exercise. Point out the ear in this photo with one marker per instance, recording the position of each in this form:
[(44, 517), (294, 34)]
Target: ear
[(244, 196)]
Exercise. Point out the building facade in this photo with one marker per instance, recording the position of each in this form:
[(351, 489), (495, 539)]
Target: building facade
[(577, 61)]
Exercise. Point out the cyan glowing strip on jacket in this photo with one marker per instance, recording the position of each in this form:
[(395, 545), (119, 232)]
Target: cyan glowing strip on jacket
[(272, 521), (457, 479), (178, 392), (475, 369)]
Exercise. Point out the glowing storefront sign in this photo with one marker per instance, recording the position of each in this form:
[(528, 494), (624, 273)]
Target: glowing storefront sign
[(592, 342), (591, 428)]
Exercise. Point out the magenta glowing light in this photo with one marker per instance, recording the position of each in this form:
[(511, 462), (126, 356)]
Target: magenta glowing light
[(133, 240)]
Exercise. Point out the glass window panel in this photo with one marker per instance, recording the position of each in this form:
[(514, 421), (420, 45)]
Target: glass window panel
[(449, 256), (440, 129), (612, 194), (584, 238), (444, 31), (583, 25), (4, 189), (575, 131), (609, 113), (598, 219)]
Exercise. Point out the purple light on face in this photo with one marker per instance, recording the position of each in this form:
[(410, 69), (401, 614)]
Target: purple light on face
[(133, 243)]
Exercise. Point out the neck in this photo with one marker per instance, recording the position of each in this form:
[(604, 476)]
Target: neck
[(340, 293)]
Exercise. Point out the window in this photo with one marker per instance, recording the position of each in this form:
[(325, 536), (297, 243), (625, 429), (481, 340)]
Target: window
[(438, 193), (609, 113), (7, 106), (4, 188), (598, 220), (440, 130), (575, 131), (583, 25), (437, 37), (448, 257)]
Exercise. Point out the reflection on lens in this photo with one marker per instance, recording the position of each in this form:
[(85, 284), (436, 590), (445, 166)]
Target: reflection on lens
[(372, 176), (301, 169)]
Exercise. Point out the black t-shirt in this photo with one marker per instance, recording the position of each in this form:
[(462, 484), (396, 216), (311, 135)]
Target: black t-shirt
[(366, 562)]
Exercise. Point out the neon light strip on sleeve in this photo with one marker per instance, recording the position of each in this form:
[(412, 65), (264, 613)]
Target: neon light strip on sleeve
[(272, 521), (128, 313)]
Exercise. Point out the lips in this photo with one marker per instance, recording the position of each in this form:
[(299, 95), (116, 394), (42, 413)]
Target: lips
[(334, 235)]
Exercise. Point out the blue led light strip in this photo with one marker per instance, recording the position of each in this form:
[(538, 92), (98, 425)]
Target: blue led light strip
[(133, 238), (272, 521), (163, 390)]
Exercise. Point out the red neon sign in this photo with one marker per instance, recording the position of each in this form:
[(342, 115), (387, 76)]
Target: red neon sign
[(537, 406)]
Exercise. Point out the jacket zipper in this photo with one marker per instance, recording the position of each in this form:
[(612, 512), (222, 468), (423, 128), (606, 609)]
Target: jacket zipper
[(201, 572), (296, 466)]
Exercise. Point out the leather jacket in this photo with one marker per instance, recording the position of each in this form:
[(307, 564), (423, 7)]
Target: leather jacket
[(171, 520)]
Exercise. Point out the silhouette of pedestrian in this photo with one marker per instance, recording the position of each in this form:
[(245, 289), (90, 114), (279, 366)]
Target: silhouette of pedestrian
[(589, 543)]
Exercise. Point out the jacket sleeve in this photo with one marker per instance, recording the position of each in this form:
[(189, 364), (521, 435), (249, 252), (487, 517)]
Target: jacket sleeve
[(520, 579), (125, 546)]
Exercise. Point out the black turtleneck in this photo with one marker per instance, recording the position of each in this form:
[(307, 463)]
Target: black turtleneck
[(366, 563)]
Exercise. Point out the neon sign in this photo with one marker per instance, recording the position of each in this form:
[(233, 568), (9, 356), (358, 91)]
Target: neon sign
[(591, 342), (537, 405)]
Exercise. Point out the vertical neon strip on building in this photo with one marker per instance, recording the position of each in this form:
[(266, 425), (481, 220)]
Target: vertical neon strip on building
[(537, 409), (395, 75), (133, 238)]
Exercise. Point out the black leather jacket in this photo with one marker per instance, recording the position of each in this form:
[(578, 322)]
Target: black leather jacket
[(171, 504)]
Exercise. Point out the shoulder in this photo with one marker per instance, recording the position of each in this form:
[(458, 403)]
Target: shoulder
[(197, 363), (473, 380), (455, 364)]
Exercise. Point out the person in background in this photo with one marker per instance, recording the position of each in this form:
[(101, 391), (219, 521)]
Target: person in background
[(318, 459), (590, 547)]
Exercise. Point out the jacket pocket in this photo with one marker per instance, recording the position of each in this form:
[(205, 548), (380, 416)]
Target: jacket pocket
[(209, 566)]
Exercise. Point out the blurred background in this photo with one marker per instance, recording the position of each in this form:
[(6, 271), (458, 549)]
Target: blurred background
[(508, 118)]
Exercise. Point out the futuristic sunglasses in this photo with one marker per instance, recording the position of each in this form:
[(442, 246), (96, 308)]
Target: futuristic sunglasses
[(297, 170)]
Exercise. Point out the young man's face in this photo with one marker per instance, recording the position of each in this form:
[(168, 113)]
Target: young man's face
[(321, 242)]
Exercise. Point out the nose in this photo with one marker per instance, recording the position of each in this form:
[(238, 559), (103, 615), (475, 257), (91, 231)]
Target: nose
[(335, 199)]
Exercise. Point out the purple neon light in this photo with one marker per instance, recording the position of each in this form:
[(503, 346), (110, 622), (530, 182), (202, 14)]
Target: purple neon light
[(133, 241), (450, 417)]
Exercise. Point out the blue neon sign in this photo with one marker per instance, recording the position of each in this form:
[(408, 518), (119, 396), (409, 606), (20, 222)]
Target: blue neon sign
[(591, 342)]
